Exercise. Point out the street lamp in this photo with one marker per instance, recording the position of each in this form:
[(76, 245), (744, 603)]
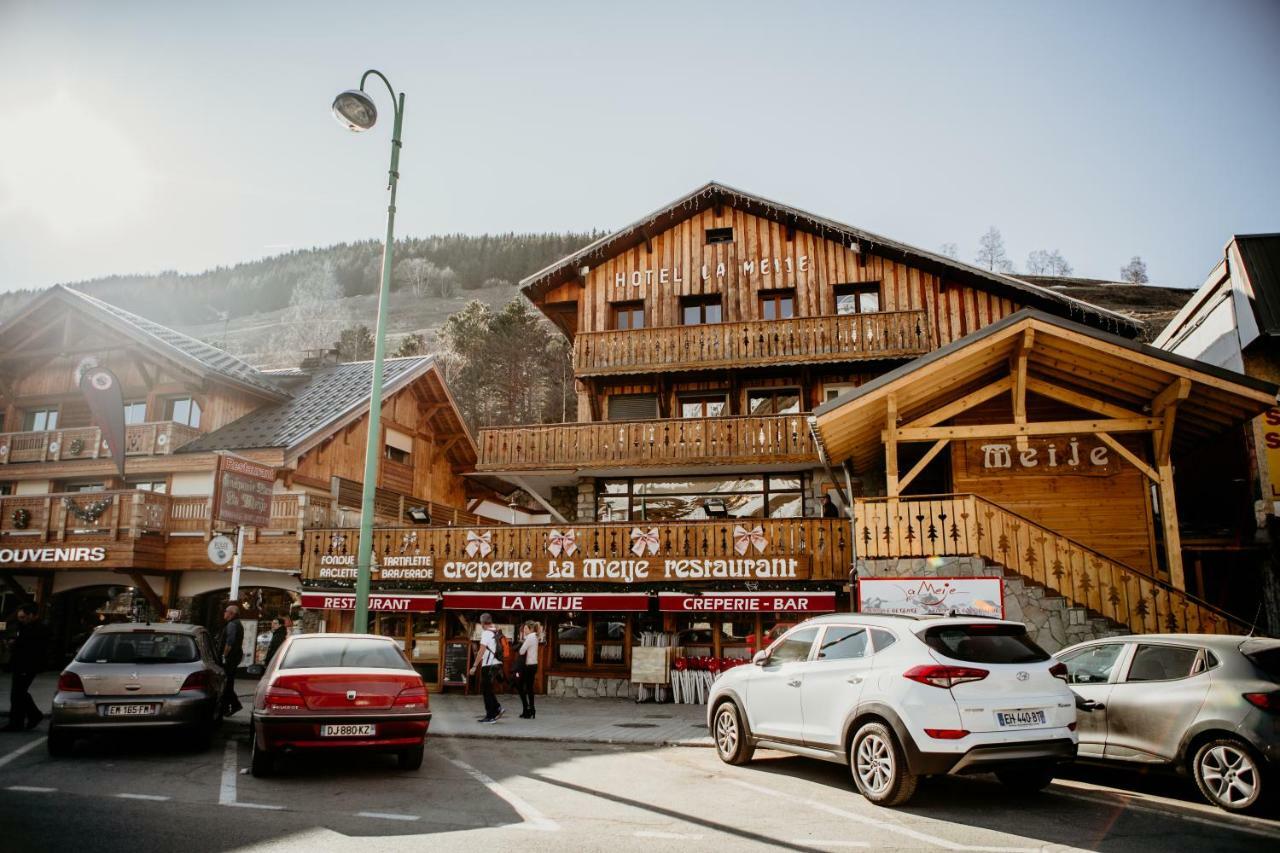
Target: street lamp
[(355, 110)]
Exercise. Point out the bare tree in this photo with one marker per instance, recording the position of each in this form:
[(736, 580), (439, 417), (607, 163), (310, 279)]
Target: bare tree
[(950, 250), (423, 278), (1134, 272), (991, 252), (1046, 262), (312, 318)]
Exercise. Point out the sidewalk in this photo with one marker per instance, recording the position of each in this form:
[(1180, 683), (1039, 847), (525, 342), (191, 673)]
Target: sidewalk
[(617, 721)]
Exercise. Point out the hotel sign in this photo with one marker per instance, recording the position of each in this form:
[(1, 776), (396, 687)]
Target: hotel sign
[(706, 272)]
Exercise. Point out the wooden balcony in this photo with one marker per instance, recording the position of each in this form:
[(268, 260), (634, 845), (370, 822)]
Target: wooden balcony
[(625, 444), (61, 445), (803, 340)]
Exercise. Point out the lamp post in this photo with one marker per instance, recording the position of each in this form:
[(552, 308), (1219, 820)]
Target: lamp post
[(355, 110)]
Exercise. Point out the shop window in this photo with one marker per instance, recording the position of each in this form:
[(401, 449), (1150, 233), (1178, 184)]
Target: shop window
[(697, 638), (425, 652), (719, 235), (628, 315), (39, 420), (704, 405), (608, 639), (700, 310), (773, 401), (737, 638), (857, 298), (135, 412), (777, 304), (571, 640), (182, 410)]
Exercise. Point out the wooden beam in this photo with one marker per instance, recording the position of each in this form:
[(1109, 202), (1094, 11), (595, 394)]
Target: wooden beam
[(1013, 430), (1020, 382), (1129, 456), (891, 446), (1176, 392), (1081, 401), (968, 401), (520, 481), (919, 466), (1164, 436), (140, 582), (1169, 523)]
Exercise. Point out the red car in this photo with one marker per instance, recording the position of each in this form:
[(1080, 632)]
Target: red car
[(339, 691)]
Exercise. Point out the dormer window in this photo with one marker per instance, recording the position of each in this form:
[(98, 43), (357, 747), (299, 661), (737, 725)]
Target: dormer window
[(719, 235)]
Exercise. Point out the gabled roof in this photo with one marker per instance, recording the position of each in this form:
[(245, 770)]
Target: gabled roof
[(203, 358), (712, 193), (328, 399)]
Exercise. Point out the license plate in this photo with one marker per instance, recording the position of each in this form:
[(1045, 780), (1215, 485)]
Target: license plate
[(131, 710), (353, 730), (1020, 717)]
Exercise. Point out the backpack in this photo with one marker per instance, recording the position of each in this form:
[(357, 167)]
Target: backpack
[(502, 646)]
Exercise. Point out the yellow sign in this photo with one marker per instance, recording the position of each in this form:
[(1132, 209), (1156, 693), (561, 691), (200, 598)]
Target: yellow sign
[(1271, 443)]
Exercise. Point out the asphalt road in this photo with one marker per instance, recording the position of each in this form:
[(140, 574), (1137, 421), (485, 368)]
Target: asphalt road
[(492, 794)]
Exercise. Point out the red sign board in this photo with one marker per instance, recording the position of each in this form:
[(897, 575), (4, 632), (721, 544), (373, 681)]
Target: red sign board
[(748, 602), (378, 602), (242, 491), (544, 602)]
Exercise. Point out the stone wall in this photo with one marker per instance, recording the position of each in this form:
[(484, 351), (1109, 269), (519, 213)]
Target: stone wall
[(586, 500), (584, 687), (565, 501)]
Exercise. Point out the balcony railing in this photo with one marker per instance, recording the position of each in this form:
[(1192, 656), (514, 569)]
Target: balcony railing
[(838, 338), (62, 445), (683, 441)]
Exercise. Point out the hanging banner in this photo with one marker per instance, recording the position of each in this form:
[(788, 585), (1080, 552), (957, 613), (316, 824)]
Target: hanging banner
[(632, 602), (790, 601), (932, 596), (378, 602), (101, 391), (242, 491)]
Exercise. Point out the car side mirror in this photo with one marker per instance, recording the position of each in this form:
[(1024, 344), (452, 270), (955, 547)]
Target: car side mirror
[(761, 657)]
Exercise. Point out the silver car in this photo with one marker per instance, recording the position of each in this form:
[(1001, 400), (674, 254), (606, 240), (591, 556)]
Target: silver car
[(138, 677), (1203, 704)]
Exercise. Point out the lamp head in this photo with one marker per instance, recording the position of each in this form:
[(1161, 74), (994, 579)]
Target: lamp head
[(354, 110)]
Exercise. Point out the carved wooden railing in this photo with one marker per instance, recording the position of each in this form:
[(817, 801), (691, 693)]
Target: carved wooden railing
[(702, 441), (62, 445), (828, 338), (389, 507), (824, 541), (964, 525)]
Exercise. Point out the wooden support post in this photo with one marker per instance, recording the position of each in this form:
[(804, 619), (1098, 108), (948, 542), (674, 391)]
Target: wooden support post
[(891, 447), (1020, 384), (1169, 523)]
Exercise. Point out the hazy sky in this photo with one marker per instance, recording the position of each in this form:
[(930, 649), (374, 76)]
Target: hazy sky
[(140, 137)]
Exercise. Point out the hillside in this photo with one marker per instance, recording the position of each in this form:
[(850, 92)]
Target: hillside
[(1153, 306)]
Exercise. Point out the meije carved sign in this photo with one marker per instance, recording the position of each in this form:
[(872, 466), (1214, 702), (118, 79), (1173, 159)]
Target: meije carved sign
[(1055, 456), (242, 491)]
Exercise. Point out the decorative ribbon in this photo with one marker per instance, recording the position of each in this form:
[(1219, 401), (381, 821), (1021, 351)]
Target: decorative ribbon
[(566, 543), (753, 538), (644, 540), (479, 543)]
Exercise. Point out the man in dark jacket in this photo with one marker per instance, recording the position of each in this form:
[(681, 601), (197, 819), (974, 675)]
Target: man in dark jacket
[(278, 634), (27, 657), (231, 648)]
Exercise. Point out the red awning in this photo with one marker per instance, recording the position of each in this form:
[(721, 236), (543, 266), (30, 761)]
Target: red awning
[(378, 602), (547, 601), (748, 602)]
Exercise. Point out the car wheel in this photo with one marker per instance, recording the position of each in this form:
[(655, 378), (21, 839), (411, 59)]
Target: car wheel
[(59, 743), (261, 762), (879, 768), (1228, 775), (732, 743), (1027, 779), (410, 759)]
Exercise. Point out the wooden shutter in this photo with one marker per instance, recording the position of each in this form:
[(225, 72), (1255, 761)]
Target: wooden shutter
[(633, 407)]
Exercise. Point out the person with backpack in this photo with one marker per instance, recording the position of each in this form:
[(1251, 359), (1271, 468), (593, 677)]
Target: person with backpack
[(489, 664)]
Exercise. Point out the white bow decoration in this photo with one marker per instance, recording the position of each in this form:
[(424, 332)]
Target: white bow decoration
[(644, 540), (479, 543), (566, 543), (753, 538)]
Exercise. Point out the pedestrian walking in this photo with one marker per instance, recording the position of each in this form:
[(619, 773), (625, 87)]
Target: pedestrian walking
[(27, 656), (489, 664), (527, 667), (278, 633), (231, 648)]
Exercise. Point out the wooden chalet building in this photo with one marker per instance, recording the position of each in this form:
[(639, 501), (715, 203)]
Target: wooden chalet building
[(91, 547), (688, 497)]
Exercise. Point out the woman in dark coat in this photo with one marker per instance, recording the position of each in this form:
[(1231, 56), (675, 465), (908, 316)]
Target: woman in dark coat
[(278, 633)]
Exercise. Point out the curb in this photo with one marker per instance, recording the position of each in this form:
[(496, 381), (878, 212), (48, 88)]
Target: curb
[(549, 739)]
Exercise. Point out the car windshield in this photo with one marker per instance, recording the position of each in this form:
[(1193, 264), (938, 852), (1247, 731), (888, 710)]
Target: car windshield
[(313, 653), (139, 647), (984, 643)]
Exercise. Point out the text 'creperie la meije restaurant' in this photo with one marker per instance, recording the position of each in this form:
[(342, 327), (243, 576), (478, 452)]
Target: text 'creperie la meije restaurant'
[(765, 396)]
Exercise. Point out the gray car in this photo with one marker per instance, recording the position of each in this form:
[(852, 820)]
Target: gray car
[(1203, 704), (135, 677)]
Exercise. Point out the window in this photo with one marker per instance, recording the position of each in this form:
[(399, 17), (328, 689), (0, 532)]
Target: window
[(719, 235), (139, 647), (39, 420), (571, 640), (395, 454), (608, 638), (342, 652), (1093, 665), (983, 643), (793, 647), (777, 304), (773, 401), (831, 390), (628, 315), (704, 405), (633, 407), (182, 410), (857, 298), (159, 487), (700, 310), (84, 487), (693, 498), (843, 643), (1162, 663), (135, 412), (883, 639)]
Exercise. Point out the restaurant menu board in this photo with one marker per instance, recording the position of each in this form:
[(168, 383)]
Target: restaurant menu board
[(650, 664), (242, 491), (457, 661)]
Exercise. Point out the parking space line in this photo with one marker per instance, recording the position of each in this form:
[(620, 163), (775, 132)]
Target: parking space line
[(533, 819), (1129, 804), (262, 806), (153, 798), (227, 791), (811, 842), (387, 815), (669, 836), (25, 748), (30, 789)]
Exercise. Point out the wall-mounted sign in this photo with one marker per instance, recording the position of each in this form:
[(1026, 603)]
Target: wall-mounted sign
[(544, 602), (707, 272), (409, 567), (242, 491), (221, 549), (378, 602), (1271, 444), (748, 602), (1058, 456), (932, 596), (53, 555), (626, 571)]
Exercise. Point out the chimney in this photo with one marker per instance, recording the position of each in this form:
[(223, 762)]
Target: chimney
[(314, 359)]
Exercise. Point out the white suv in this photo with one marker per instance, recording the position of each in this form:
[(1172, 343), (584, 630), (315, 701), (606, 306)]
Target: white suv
[(898, 698)]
